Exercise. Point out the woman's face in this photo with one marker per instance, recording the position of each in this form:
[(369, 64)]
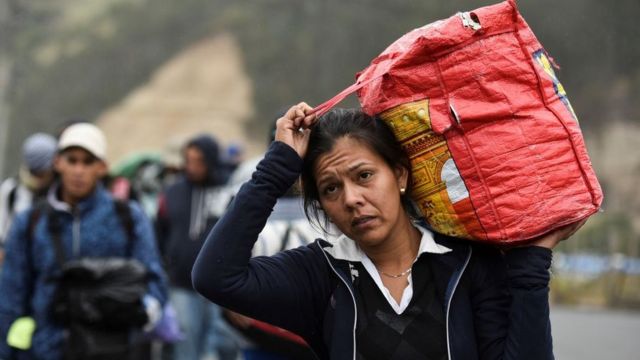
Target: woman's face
[(360, 193)]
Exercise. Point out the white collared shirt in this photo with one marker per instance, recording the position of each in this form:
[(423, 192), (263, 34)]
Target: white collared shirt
[(346, 249)]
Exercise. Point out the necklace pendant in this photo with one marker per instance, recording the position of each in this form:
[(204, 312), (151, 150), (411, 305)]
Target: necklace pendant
[(408, 271)]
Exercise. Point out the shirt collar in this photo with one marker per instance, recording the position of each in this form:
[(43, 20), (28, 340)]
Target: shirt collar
[(345, 248), (54, 201)]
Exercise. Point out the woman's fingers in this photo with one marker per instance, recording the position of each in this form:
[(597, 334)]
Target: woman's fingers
[(293, 127), (305, 107), (291, 113), (309, 121), (298, 114), (551, 239), (571, 229)]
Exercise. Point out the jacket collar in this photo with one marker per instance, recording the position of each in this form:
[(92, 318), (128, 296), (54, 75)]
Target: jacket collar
[(87, 203), (344, 248)]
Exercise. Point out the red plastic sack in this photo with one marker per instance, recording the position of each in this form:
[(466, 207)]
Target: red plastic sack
[(496, 149)]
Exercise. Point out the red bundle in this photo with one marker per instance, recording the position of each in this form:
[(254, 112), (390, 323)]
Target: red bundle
[(496, 149)]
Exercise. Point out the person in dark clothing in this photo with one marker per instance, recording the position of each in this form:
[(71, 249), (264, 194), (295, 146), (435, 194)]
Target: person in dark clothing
[(187, 210), (389, 288)]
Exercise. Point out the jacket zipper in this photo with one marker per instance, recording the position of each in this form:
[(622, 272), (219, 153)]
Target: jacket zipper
[(455, 285), (353, 298), (76, 234)]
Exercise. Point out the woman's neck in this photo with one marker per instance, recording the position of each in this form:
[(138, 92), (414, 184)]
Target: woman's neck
[(398, 252)]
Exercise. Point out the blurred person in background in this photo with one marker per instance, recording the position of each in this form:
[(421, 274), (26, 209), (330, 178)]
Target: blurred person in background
[(173, 162), (146, 186), (79, 223), (187, 211), (233, 156), (139, 177), (35, 176)]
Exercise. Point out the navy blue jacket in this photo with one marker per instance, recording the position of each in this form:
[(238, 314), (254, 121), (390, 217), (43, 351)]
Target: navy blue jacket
[(496, 306), (187, 213)]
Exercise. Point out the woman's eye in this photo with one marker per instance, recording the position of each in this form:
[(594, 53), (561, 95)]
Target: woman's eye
[(365, 175), (329, 189)]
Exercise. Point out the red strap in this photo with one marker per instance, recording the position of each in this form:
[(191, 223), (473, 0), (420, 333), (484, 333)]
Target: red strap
[(327, 105), (276, 331)]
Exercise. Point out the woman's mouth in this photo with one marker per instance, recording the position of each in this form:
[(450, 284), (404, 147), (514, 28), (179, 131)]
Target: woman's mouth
[(362, 222)]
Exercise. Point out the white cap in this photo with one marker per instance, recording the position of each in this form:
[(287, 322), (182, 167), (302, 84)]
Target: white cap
[(86, 136)]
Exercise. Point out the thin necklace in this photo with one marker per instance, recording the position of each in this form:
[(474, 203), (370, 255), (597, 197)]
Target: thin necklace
[(408, 271)]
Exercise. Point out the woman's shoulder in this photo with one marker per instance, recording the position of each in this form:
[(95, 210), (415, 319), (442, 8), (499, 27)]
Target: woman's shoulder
[(459, 245), (488, 251), (322, 255), (308, 261), (478, 257), (313, 250), (495, 258)]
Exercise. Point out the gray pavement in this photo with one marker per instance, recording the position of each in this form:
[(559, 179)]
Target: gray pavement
[(585, 334)]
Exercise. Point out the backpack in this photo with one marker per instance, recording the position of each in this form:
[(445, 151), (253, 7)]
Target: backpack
[(98, 300)]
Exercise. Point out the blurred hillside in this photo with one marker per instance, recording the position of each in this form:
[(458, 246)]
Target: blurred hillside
[(70, 59), (204, 88)]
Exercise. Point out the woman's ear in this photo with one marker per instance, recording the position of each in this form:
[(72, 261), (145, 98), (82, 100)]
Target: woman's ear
[(402, 175)]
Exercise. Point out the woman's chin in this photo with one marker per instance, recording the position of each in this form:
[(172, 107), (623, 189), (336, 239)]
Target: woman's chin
[(369, 239)]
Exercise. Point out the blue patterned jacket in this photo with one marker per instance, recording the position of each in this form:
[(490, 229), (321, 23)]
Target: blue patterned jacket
[(93, 229)]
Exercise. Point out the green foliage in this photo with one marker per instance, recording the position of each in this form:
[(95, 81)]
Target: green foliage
[(605, 234), (611, 289)]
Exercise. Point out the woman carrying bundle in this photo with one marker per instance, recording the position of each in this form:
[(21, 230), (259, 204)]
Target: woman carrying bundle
[(388, 288)]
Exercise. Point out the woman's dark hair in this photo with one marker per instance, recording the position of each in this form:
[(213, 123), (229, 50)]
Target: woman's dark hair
[(355, 124)]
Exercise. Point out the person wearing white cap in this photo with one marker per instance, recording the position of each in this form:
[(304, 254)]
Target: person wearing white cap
[(80, 223), (82, 149), (18, 193)]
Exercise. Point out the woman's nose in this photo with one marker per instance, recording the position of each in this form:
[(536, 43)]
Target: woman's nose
[(352, 196)]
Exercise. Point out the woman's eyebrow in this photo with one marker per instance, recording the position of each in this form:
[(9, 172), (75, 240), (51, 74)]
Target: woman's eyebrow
[(330, 175), (325, 177), (356, 166)]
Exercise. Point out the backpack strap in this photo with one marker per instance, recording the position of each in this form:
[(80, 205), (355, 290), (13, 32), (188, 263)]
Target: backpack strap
[(124, 214), (36, 212), (54, 228), (55, 231), (11, 200), (38, 209)]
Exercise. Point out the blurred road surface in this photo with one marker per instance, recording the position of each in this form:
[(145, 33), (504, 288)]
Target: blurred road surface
[(586, 334)]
